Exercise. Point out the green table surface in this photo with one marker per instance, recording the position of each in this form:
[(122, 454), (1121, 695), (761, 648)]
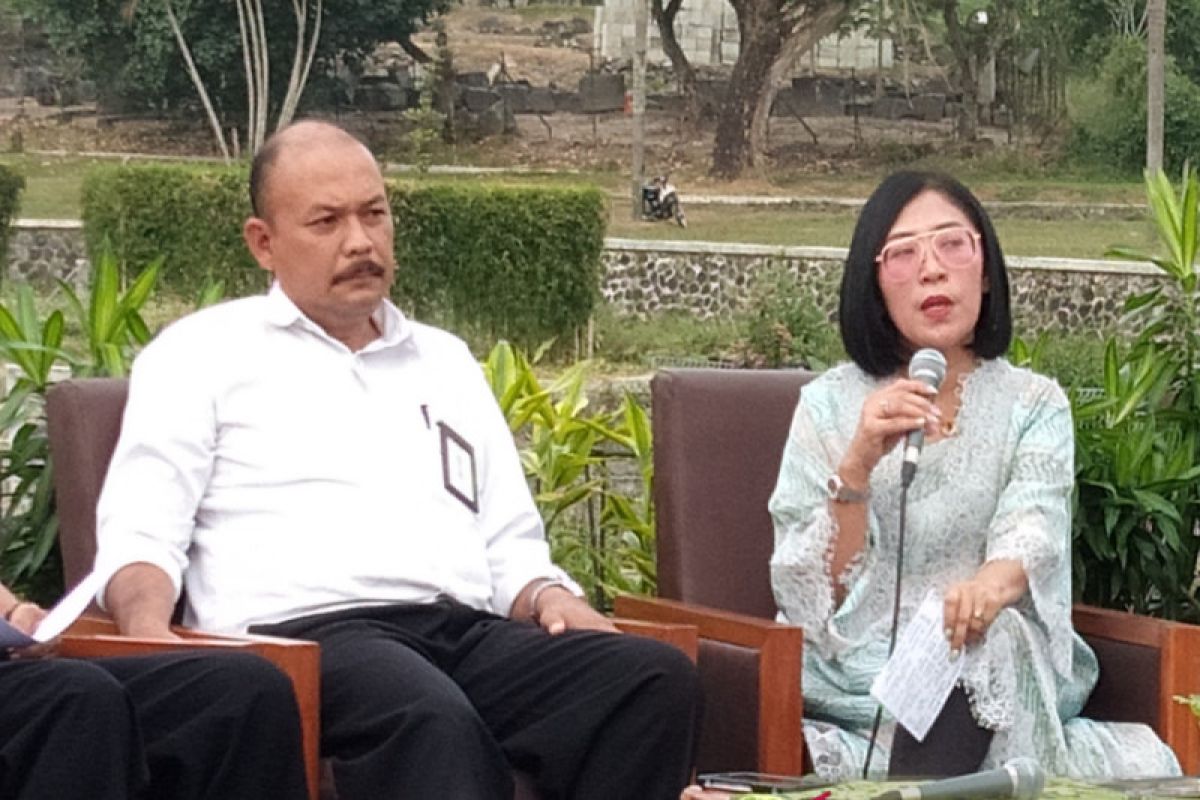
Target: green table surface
[(1056, 789)]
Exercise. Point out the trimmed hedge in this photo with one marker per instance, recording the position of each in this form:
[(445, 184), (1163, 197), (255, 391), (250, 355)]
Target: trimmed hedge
[(507, 262), (513, 262), (11, 184), (191, 216)]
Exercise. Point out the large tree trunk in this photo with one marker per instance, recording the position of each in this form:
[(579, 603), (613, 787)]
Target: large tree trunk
[(664, 18), (762, 30), (806, 32), (968, 74)]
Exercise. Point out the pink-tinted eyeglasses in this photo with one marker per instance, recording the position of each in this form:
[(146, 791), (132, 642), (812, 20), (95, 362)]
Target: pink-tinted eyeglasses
[(955, 248)]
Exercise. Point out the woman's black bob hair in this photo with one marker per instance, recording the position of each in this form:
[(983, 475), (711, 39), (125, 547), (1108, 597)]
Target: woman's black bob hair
[(868, 333)]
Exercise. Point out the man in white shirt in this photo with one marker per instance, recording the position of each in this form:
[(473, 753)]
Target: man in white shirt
[(310, 463)]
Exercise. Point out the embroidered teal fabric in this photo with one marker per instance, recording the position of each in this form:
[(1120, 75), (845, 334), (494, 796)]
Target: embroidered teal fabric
[(1000, 488)]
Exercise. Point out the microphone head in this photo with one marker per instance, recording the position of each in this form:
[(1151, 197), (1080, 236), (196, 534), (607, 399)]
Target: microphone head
[(928, 366), (1029, 779)]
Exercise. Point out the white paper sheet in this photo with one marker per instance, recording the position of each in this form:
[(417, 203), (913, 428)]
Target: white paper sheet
[(58, 620), (917, 679), (69, 608)]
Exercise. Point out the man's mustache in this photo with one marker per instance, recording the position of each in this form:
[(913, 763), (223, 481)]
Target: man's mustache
[(360, 268)]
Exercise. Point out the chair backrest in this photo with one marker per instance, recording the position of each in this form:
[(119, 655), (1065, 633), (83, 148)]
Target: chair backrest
[(83, 421), (718, 442)]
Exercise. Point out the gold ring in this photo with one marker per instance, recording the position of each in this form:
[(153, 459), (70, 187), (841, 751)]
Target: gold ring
[(978, 614), (885, 407)]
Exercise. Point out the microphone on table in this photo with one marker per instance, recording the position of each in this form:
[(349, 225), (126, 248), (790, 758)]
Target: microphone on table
[(1020, 778), (929, 367)]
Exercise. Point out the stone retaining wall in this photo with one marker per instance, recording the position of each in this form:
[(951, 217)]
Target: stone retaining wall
[(40, 251), (714, 279)]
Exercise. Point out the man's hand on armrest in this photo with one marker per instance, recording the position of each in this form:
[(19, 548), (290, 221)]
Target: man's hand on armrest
[(141, 599), (556, 608)]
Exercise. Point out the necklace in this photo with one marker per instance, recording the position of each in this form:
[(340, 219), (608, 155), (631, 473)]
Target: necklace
[(949, 425)]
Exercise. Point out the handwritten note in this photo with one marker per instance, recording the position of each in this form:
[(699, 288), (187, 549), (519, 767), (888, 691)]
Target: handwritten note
[(919, 676)]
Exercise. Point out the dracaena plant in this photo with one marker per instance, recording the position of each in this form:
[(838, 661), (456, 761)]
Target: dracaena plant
[(110, 330), (571, 454), (1138, 437)]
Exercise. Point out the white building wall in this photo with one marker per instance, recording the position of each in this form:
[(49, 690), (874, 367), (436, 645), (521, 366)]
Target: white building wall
[(708, 33)]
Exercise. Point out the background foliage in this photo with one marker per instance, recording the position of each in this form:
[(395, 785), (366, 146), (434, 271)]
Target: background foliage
[(590, 470), (11, 184), (491, 261), (191, 217), (136, 65), (1137, 510), (515, 263), (112, 328), (1109, 112)]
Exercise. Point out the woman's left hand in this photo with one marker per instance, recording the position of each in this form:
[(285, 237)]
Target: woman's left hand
[(971, 606)]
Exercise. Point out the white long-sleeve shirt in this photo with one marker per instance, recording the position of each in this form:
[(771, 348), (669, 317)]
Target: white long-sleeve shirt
[(274, 473)]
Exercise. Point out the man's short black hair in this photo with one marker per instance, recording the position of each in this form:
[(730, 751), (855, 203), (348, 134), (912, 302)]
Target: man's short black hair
[(264, 159), (868, 332), (268, 154)]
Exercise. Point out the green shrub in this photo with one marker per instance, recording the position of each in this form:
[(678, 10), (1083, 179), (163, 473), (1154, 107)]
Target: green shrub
[(11, 184), (1109, 113), (786, 326), (515, 263), (572, 455), (191, 217), (1137, 440), (494, 262)]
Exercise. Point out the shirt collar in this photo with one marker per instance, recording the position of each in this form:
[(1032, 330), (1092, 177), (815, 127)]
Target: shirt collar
[(394, 327)]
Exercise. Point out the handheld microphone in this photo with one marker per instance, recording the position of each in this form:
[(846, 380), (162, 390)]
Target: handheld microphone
[(1020, 778), (929, 367)]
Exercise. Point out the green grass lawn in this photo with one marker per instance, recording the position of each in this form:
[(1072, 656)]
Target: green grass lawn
[(53, 187), (781, 226)]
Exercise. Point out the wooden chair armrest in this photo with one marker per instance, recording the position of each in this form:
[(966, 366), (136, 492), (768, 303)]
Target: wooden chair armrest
[(94, 637), (780, 704), (685, 637), (1178, 644)]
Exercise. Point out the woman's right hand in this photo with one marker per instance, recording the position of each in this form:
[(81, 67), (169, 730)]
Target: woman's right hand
[(888, 414)]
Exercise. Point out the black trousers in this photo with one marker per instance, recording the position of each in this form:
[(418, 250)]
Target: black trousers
[(180, 726), (955, 745), (442, 700)]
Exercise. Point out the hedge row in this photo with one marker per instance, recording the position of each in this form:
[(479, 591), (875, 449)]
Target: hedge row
[(516, 263), (11, 184), (192, 216), (508, 262)]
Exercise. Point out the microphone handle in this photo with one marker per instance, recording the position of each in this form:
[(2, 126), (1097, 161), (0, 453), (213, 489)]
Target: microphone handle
[(912, 451)]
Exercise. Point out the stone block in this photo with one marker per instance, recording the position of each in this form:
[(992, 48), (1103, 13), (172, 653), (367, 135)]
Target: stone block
[(890, 108), (477, 100), (541, 101), (516, 95), (601, 92), (930, 107), (477, 80), (381, 96), (567, 102)]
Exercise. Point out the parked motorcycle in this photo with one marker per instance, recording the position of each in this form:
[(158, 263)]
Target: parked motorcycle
[(660, 200)]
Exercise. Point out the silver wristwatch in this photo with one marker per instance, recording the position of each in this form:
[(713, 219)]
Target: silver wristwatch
[(839, 492)]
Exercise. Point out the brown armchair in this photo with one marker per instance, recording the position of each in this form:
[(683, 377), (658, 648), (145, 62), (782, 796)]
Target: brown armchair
[(718, 442), (84, 421)]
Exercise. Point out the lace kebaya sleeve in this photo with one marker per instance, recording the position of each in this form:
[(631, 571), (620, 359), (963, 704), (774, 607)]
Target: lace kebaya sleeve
[(804, 529), (1032, 523)]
